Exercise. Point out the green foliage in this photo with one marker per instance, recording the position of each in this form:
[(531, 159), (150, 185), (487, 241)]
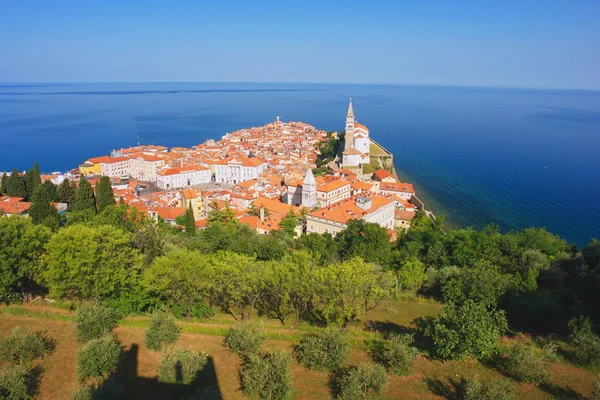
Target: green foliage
[(162, 331), (105, 193), (586, 341), (190, 221), (21, 246), (347, 290), (149, 240), (84, 199), (21, 348), (19, 383), (89, 263), (180, 278), (411, 274), (244, 340), (50, 190), (367, 240), (360, 382), (41, 210), (483, 284), (399, 355), (467, 329), (289, 223), (526, 363), (325, 350), (322, 248), (181, 367), (94, 321), (3, 183), (267, 376), (496, 389), (98, 358), (15, 185), (66, 191)]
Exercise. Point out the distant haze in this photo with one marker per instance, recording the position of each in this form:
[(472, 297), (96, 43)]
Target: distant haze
[(531, 44)]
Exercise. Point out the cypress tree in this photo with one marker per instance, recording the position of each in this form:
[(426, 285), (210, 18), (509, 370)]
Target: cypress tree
[(29, 183), (121, 201), (15, 185), (41, 211), (50, 189), (84, 197), (105, 194), (36, 176), (3, 183), (65, 192), (190, 221)]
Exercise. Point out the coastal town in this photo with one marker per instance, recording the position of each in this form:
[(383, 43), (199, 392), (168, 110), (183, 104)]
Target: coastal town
[(262, 174)]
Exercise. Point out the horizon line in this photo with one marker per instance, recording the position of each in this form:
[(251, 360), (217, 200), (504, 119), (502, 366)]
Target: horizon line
[(438, 85)]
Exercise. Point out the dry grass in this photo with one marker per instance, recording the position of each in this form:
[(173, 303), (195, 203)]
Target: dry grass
[(430, 379)]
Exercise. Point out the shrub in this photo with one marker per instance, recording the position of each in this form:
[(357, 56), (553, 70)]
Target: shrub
[(587, 342), (22, 348), (466, 329), (324, 350), (497, 389), (398, 355), (110, 389), (199, 310), (596, 390), (162, 331), (99, 358), (181, 367), (357, 382), (95, 321), (19, 383), (244, 340), (267, 376), (528, 364)]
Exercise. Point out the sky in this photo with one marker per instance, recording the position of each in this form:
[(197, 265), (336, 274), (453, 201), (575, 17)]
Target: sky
[(527, 43)]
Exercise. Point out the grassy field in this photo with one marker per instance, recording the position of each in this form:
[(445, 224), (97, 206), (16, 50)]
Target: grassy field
[(430, 379)]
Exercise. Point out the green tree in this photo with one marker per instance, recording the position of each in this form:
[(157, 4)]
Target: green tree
[(105, 193), (41, 210), (411, 274), (181, 367), (345, 291), (468, 329), (358, 382), (367, 240), (190, 221), (289, 223), (36, 176), (148, 238), (84, 197), (3, 184), (21, 348), (65, 193), (21, 246), (50, 189), (162, 331), (482, 283), (15, 185), (244, 340), (29, 184), (99, 358), (181, 277), (89, 263), (267, 376), (325, 350), (94, 321)]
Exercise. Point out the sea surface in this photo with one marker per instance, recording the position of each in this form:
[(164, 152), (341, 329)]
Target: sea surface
[(513, 157)]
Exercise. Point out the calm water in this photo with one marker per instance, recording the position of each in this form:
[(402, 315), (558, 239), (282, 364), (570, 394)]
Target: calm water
[(513, 157)]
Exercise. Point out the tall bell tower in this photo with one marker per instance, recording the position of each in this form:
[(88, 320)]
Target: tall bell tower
[(349, 140)]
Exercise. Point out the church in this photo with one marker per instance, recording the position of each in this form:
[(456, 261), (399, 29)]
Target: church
[(357, 144)]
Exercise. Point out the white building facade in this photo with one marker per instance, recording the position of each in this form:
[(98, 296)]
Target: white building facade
[(178, 178)]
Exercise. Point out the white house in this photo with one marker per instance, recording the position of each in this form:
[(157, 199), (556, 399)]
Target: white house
[(114, 167), (144, 167), (177, 178), (240, 169)]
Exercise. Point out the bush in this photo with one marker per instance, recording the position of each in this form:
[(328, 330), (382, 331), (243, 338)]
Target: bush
[(398, 355), (244, 340), (324, 350), (357, 382), (596, 390), (22, 348), (19, 383), (267, 376), (181, 367), (497, 389), (467, 329), (587, 342), (110, 389), (526, 363), (99, 358), (162, 331), (199, 310), (95, 321)]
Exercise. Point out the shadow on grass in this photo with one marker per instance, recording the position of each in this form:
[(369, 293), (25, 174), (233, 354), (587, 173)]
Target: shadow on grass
[(450, 389), (125, 383), (561, 393)]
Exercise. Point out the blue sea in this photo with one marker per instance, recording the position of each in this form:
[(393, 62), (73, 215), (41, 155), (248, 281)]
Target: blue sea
[(517, 158)]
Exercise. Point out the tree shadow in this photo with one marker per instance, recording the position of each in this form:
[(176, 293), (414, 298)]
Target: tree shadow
[(33, 379), (561, 393), (387, 327), (450, 389), (125, 383)]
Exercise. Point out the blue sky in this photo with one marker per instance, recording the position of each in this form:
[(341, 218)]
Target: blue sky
[(527, 43)]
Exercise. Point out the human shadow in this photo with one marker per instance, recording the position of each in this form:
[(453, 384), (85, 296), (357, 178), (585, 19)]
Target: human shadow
[(126, 383)]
